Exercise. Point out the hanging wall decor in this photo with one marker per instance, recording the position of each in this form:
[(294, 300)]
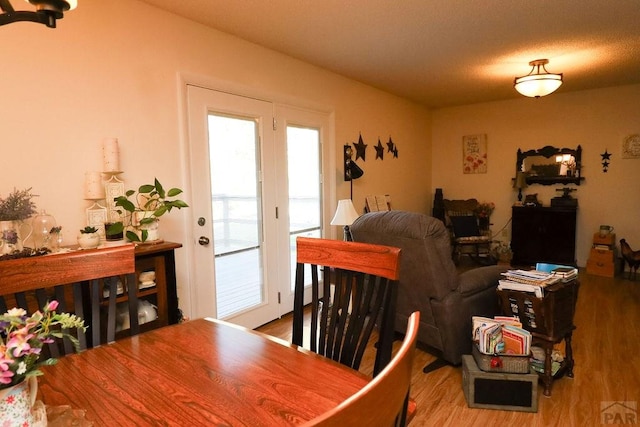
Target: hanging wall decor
[(474, 153), (631, 147), (361, 148), (379, 150), (392, 148), (606, 159)]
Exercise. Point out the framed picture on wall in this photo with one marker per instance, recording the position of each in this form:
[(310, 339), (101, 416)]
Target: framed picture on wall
[(631, 147), (474, 153)]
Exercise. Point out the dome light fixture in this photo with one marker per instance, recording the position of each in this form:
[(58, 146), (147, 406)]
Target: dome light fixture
[(536, 83), (47, 11)]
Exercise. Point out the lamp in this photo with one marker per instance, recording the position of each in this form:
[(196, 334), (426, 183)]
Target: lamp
[(520, 183), (537, 84), (345, 215), (351, 169), (47, 11)]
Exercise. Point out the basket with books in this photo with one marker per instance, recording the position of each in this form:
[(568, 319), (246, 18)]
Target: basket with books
[(501, 345)]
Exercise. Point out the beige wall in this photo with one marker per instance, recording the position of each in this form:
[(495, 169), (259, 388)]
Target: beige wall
[(112, 69), (598, 120)]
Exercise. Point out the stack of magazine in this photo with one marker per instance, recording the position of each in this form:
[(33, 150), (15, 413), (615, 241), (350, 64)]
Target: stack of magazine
[(500, 335), (535, 281)]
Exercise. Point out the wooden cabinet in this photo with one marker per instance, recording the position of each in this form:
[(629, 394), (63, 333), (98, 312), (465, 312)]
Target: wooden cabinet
[(602, 257), (543, 234), (159, 259)]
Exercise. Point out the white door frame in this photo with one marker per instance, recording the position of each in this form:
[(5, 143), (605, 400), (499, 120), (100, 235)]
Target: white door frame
[(330, 172)]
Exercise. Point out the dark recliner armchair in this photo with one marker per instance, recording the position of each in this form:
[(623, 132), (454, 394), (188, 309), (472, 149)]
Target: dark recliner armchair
[(430, 283)]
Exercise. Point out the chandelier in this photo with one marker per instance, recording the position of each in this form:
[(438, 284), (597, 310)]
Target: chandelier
[(537, 83), (47, 11)]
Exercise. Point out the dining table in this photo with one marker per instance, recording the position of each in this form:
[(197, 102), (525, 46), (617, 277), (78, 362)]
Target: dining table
[(202, 372)]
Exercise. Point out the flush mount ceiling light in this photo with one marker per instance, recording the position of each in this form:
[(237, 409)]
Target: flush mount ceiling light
[(47, 11), (536, 83)]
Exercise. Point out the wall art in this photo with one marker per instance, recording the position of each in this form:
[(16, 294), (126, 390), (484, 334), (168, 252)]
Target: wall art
[(474, 153)]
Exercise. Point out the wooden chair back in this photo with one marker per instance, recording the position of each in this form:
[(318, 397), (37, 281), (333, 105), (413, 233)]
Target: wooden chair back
[(382, 402), (77, 280), (353, 287)]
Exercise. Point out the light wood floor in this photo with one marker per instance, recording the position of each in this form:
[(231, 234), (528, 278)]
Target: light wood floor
[(606, 347)]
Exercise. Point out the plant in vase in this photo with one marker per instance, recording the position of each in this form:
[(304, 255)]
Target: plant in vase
[(89, 238), (21, 340), (483, 211), (141, 216), (16, 208)]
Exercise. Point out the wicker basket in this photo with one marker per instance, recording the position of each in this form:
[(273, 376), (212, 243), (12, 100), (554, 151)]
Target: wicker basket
[(509, 363)]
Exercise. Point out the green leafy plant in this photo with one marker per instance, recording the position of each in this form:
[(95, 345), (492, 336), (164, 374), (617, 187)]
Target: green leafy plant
[(88, 230), (22, 337), (153, 200), (18, 206)]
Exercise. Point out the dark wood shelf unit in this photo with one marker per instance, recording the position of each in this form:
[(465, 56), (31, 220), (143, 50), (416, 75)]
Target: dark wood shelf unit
[(543, 234)]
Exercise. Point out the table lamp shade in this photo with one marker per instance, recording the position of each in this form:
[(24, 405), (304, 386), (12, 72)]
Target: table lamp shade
[(345, 213)]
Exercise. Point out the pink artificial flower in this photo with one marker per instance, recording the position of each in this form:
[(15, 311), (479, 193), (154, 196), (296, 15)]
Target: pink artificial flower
[(5, 373), (52, 305), (19, 342)]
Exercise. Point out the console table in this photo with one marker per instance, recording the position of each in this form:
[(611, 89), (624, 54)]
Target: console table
[(543, 234), (93, 283), (549, 319)]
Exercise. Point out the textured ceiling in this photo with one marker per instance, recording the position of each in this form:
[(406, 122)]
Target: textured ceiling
[(440, 52)]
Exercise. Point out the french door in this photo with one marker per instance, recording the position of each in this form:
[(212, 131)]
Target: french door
[(256, 184)]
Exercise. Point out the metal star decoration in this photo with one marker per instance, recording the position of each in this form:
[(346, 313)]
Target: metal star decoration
[(606, 159), (390, 146), (361, 149), (379, 150)]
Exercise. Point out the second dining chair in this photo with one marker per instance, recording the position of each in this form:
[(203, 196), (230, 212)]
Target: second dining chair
[(353, 288), (383, 401)]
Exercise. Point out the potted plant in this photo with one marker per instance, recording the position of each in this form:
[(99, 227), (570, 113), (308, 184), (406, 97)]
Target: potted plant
[(17, 207), (89, 238), (141, 216)]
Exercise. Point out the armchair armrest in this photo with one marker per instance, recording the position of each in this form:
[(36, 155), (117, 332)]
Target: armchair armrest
[(479, 279)]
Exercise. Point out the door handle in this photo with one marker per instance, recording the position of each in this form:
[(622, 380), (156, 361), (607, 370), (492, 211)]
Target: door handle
[(203, 241)]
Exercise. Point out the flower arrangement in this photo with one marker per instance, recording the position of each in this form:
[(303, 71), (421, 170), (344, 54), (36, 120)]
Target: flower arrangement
[(18, 206), (484, 210), (22, 338)]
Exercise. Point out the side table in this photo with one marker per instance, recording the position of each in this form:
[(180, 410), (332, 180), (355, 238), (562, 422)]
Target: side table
[(549, 319)]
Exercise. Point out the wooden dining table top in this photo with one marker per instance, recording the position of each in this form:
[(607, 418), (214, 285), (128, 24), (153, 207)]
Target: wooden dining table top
[(203, 372)]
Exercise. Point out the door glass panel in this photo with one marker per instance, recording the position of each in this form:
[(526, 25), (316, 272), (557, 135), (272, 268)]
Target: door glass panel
[(305, 204), (236, 208)]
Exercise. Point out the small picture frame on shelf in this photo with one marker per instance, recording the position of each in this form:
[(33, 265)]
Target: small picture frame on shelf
[(96, 217), (113, 188)]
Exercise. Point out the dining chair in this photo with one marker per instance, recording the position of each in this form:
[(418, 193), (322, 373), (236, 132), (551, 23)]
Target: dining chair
[(353, 288), (383, 401), (69, 280)]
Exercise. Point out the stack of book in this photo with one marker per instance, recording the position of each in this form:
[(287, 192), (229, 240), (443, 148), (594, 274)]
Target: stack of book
[(535, 281), (500, 335), (564, 272)]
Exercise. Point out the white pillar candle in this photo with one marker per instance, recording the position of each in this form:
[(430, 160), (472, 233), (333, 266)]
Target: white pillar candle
[(111, 155), (93, 186)]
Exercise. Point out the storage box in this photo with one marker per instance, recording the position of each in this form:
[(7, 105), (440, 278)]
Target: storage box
[(489, 390), (514, 364), (601, 262), (607, 239)]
